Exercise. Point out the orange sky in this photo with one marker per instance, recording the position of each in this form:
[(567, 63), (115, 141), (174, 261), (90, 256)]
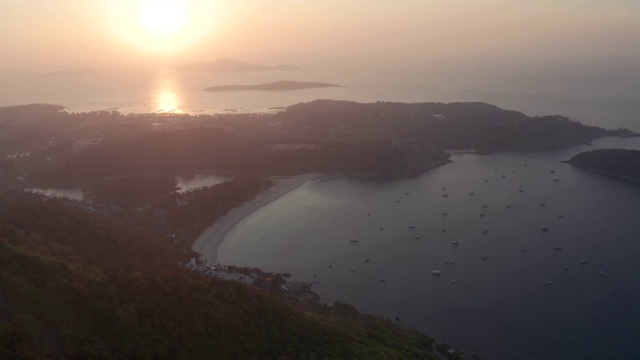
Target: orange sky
[(447, 34)]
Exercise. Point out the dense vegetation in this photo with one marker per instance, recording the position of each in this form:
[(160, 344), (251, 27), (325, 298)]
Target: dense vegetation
[(615, 162), (76, 285)]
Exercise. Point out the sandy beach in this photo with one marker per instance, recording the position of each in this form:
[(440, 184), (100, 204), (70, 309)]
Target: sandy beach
[(209, 241)]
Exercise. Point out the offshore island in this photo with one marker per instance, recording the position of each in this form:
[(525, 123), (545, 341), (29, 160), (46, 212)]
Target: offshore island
[(125, 252), (274, 86)]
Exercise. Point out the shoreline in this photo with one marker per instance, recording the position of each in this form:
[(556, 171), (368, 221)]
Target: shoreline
[(211, 238)]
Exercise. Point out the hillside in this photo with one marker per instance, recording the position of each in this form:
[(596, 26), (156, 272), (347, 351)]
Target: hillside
[(80, 285)]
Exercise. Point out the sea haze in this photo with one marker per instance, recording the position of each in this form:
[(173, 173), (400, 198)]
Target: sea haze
[(499, 307), (608, 103)]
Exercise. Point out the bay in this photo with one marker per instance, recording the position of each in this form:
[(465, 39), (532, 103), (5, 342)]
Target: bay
[(499, 307)]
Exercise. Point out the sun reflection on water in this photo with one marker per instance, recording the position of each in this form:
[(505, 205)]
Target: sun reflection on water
[(166, 96)]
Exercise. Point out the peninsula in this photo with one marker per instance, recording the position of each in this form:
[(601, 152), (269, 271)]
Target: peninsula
[(274, 86), (619, 163)]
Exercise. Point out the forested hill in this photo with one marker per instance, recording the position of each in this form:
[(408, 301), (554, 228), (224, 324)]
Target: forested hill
[(614, 162), (77, 285), (463, 125)]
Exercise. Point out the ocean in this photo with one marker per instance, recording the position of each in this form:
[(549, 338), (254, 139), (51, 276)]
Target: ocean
[(604, 103), (499, 307)]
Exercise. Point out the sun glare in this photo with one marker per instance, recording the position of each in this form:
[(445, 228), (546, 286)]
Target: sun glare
[(163, 17), (161, 26)]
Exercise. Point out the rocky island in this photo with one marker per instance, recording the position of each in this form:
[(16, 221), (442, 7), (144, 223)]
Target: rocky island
[(619, 163), (274, 86)]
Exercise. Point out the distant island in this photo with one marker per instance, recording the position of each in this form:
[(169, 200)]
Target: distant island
[(230, 65), (619, 163), (274, 86), (62, 73)]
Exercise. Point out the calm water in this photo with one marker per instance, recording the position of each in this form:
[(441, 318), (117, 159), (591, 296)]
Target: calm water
[(500, 307), (610, 103), (184, 183)]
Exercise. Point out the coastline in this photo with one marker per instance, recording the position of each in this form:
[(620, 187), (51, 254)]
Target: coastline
[(211, 238)]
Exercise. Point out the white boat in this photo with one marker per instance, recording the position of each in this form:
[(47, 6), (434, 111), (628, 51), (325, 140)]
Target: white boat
[(381, 279), (484, 257), (452, 282), (548, 282), (455, 242), (448, 262), (436, 272), (584, 261), (417, 237), (601, 273), (354, 240), (485, 231), (556, 179), (566, 267)]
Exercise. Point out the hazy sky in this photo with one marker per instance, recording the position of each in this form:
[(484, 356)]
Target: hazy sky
[(436, 34)]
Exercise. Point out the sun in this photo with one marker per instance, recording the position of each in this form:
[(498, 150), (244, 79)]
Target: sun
[(160, 27), (163, 17)]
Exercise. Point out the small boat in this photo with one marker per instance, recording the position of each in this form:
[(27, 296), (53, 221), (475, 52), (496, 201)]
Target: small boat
[(484, 206), (354, 240), (455, 242), (444, 230), (566, 267), (486, 180), (367, 261), (484, 257), (330, 266), (417, 237), (452, 282), (381, 228), (381, 279), (448, 262), (552, 171), (485, 231), (545, 229), (602, 273), (508, 206), (445, 195), (406, 193), (352, 269), (368, 214), (523, 250), (444, 188), (436, 272), (471, 194), (561, 216), (556, 179), (557, 248), (398, 201), (503, 176), (412, 226), (542, 204), (548, 282), (482, 215), (445, 213), (584, 261), (520, 190)]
